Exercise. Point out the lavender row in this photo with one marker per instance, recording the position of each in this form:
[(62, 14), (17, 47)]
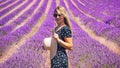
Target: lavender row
[(32, 50), (4, 30), (99, 12), (6, 4), (10, 16), (80, 57), (19, 33), (9, 8), (114, 21), (91, 11), (24, 58), (114, 4), (99, 28), (90, 53), (105, 30), (86, 53), (36, 41), (29, 25), (1, 1), (76, 12), (102, 5)]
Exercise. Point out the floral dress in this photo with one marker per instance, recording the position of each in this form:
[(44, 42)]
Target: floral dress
[(60, 60)]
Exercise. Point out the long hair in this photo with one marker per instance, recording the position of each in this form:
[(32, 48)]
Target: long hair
[(63, 12)]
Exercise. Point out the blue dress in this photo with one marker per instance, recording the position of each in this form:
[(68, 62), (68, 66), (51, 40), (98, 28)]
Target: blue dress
[(60, 60)]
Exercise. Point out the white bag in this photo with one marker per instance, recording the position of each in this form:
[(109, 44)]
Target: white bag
[(53, 48)]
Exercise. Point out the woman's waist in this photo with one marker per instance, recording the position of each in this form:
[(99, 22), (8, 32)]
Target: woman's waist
[(61, 51)]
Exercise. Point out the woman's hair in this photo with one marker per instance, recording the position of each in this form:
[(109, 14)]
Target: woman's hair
[(63, 12)]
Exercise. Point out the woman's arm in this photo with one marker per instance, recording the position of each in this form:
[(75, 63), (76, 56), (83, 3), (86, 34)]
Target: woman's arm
[(66, 44)]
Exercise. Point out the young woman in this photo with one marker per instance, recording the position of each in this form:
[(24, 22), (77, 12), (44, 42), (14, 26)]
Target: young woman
[(63, 36)]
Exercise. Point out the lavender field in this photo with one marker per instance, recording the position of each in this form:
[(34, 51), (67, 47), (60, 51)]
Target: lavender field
[(25, 23)]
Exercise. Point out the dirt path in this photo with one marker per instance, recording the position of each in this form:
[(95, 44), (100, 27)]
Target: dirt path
[(114, 47), (25, 21), (14, 47), (57, 2), (11, 11), (88, 15), (46, 55), (21, 13), (1, 3), (8, 5)]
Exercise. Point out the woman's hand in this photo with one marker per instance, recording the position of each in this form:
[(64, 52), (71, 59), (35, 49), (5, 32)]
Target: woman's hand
[(56, 36)]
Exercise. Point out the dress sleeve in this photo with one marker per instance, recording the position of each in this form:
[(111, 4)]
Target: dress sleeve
[(66, 32)]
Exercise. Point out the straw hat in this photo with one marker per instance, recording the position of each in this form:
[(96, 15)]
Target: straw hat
[(47, 43), (50, 44)]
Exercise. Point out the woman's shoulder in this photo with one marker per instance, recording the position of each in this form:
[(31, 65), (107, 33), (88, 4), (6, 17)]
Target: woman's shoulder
[(66, 28), (63, 28)]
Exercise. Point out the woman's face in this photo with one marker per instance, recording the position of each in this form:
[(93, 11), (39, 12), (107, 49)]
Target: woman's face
[(59, 18)]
